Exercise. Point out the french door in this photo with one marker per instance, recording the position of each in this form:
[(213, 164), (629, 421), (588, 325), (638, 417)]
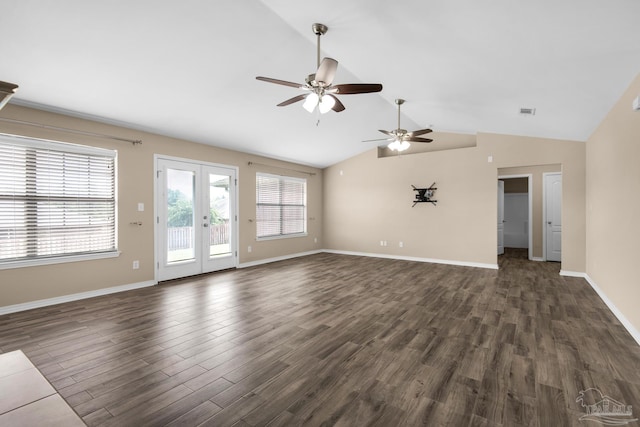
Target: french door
[(196, 221)]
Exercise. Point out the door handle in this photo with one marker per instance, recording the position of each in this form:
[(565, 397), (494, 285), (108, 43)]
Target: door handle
[(549, 222)]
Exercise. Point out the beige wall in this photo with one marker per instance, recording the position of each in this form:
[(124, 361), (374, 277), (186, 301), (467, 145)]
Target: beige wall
[(613, 205), (536, 198), (136, 184), (368, 199)]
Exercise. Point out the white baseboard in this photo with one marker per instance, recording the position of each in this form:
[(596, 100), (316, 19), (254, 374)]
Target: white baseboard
[(418, 259), (538, 259), (573, 274), (73, 297), (625, 322), (275, 259)]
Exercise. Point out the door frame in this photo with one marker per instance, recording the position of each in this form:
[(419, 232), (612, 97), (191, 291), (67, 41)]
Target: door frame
[(156, 216), (544, 212), (529, 177)]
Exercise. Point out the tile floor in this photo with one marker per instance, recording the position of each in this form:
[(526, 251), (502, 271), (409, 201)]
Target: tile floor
[(27, 398)]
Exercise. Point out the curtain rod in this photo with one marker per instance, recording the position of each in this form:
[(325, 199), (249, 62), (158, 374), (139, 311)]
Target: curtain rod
[(80, 132), (278, 167)]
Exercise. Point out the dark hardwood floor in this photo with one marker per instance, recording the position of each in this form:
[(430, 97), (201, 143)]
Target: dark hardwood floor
[(334, 339)]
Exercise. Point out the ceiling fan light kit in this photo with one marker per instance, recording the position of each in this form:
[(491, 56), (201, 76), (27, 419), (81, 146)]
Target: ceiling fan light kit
[(398, 145)]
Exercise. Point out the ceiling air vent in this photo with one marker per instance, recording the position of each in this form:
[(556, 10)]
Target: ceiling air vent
[(528, 111), (6, 92)]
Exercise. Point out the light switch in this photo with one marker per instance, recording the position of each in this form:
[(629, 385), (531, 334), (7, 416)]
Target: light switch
[(140, 207)]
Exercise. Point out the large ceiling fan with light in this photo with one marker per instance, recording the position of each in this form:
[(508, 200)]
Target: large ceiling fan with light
[(400, 139), (319, 87)]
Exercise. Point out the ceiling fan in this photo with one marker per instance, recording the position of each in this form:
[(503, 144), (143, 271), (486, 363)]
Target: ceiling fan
[(401, 138), (321, 91)]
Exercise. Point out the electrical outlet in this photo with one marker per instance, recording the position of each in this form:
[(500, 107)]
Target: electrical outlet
[(249, 249), (381, 242), (136, 264), (140, 207), (401, 244), (315, 240)]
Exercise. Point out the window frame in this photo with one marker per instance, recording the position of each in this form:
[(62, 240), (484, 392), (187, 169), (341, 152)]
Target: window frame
[(281, 179), (72, 149)]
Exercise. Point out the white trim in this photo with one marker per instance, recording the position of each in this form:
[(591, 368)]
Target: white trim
[(73, 297), (529, 177), (282, 236), (49, 144), (278, 258), (535, 258), (573, 274), (4, 265), (418, 259), (625, 322)]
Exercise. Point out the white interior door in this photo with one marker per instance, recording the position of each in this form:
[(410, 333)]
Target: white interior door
[(196, 220), (553, 216), (500, 217)]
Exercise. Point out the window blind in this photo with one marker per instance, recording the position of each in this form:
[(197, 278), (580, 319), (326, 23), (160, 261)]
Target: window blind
[(56, 199), (281, 205)]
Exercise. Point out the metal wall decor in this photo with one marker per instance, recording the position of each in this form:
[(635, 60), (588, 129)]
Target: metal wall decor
[(424, 195)]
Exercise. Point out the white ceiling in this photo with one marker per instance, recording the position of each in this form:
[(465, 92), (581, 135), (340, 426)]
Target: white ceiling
[(187, 68)]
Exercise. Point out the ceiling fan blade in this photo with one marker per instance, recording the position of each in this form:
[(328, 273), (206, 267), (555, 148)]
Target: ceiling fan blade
[(338, 106), (417, 139), (354, 88), (419, 132), (280, 82), (375, 140), (326, 71), (386, 132), (292, 100)]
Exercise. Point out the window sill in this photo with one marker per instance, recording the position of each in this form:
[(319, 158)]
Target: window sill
[(284, 236), (57, 260)]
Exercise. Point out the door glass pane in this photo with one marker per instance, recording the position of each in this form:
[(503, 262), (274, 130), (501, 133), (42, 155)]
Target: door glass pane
[(180, 232), (219, 210)]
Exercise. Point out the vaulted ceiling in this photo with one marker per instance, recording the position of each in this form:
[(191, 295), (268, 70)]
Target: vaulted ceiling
[(187, 68)]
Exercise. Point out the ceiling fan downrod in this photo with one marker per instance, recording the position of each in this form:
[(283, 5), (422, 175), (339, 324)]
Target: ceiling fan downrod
[(399, 102), (319, 30)]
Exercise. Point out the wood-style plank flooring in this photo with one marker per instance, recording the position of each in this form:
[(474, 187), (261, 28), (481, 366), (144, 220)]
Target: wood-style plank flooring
[(336, 340)]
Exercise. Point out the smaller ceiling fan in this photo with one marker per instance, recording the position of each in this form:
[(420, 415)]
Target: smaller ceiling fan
[(321, 91), (401, 138)]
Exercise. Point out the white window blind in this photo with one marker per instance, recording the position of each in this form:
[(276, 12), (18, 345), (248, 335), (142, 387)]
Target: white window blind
[(281, 206), (56, 199)]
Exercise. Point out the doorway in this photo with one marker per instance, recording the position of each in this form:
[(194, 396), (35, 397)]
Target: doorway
[(515, 212), (196, 220), (552, 199)]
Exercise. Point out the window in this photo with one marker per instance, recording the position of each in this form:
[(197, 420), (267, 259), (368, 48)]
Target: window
[(56, 200), (281, 206)]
